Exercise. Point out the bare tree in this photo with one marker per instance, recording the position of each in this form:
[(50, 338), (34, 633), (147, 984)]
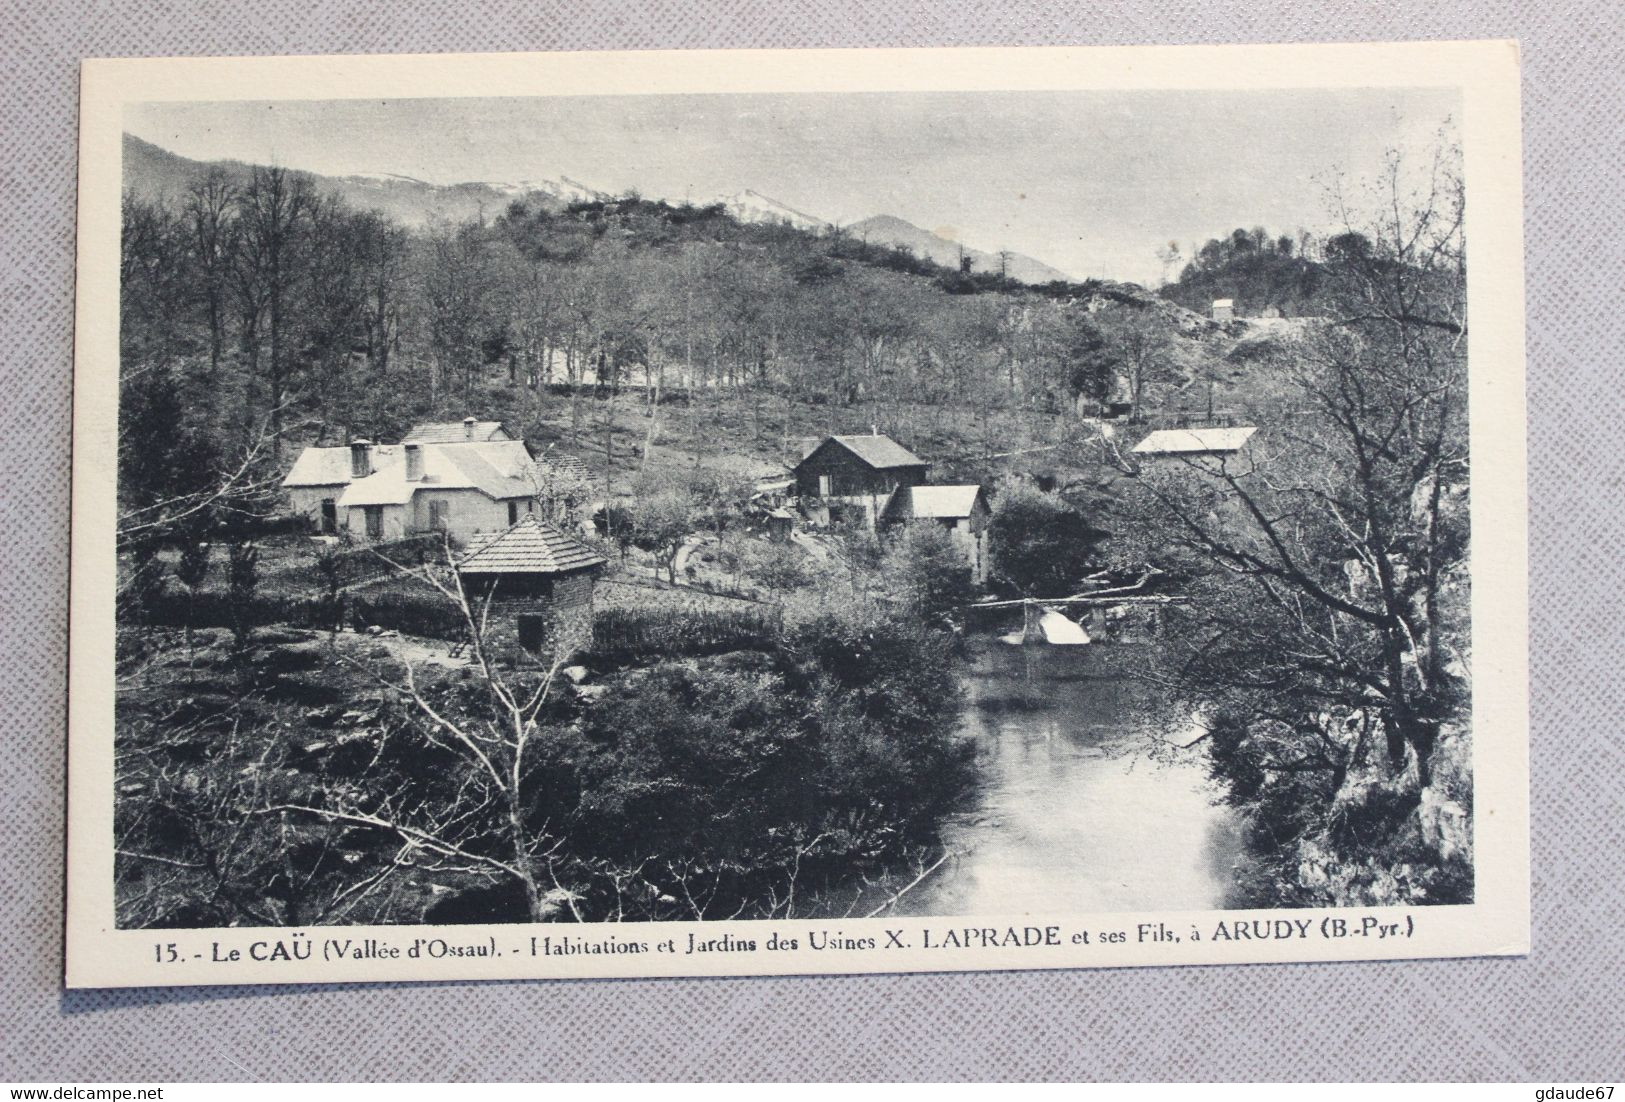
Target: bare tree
[(275, 211), (212, 219), (1348, 523), (483, 817)]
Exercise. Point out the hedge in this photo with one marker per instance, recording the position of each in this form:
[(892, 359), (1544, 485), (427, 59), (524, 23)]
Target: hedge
[(621, 635), (423, 613), (213, 608)]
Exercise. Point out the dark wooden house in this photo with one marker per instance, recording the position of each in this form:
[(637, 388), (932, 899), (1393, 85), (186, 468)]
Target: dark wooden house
[(850, 478), (535, 577)]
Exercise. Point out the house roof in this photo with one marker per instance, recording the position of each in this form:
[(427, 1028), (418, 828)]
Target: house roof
[(922, 502), (456, 432), (319, 467), (530, 547), (879, 452), (499, 469), (563, 462), (1195, 441), (1224, 302)]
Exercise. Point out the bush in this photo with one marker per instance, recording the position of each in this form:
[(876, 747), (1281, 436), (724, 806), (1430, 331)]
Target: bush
[(214, 609), (1040, 545), (835, 750), (626, 636), (424, 613), (888, 700), (349, 566)]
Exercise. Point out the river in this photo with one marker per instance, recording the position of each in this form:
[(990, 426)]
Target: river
[(1082, 805)]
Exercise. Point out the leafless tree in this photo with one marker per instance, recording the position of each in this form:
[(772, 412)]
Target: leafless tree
[(275, 211), (1348, 522), (485, 819)]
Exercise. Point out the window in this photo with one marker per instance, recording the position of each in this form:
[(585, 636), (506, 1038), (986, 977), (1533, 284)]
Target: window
[(513, 513), (439, 515), (824, 485), (375, 521)]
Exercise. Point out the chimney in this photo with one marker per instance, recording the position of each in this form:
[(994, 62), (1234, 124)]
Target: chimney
[(414, 462), (468, 428), (360, 458), (874, 430)]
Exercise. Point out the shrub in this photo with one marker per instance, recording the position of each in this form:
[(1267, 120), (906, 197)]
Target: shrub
[(212, 608), (1040, 545), (352, 566), (415, 613), (625, 636)]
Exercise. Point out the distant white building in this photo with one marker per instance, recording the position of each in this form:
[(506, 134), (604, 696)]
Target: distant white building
[(1192, 446), (464, 478), (1224, 309)]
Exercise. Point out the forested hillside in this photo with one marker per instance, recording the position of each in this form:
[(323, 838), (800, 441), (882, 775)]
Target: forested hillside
[(262, 312), (885, 229), (1263, 274)]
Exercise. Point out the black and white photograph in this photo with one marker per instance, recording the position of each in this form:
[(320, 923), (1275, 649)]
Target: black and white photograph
[(796, 511)]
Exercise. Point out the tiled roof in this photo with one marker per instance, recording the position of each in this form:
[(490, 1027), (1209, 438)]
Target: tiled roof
[(500, 469), (564, 463), (320, 467), (1194, 441), (491, 468), (530, 547), (879, 452), (921, 502), (456, 432)]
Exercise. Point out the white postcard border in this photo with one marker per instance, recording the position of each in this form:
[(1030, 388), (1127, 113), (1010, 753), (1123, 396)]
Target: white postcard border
[(1497, 923)]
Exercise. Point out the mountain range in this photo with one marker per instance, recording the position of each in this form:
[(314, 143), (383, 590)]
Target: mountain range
[(886, 229), (154, 173), (753, 206)]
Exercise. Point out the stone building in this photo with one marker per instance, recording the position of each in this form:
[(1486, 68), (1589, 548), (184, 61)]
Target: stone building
[(536, 579)]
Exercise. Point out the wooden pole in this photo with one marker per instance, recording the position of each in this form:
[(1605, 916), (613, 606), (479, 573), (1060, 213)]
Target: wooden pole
[(1083, 601)]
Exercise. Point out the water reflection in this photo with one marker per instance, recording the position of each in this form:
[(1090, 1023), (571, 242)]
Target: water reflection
[(1075, 814)]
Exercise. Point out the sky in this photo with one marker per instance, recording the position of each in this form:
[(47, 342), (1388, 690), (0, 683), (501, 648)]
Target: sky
[(1092, 183)]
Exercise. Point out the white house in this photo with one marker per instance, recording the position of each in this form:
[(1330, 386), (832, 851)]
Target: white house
[(1200, 446), (465, 479), (961, 511)]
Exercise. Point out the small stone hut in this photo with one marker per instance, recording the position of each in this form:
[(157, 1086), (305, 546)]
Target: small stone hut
[(535, 577)]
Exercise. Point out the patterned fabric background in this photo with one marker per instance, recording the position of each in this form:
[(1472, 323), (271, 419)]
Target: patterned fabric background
[(1553, 1016)]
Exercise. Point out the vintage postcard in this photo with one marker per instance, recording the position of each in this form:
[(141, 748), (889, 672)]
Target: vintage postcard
[(732, 513)]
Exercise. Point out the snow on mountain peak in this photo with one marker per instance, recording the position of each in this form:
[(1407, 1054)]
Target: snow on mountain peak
[(752, 206)]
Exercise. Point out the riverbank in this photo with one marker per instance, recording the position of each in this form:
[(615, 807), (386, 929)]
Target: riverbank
[(1083, 804)]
